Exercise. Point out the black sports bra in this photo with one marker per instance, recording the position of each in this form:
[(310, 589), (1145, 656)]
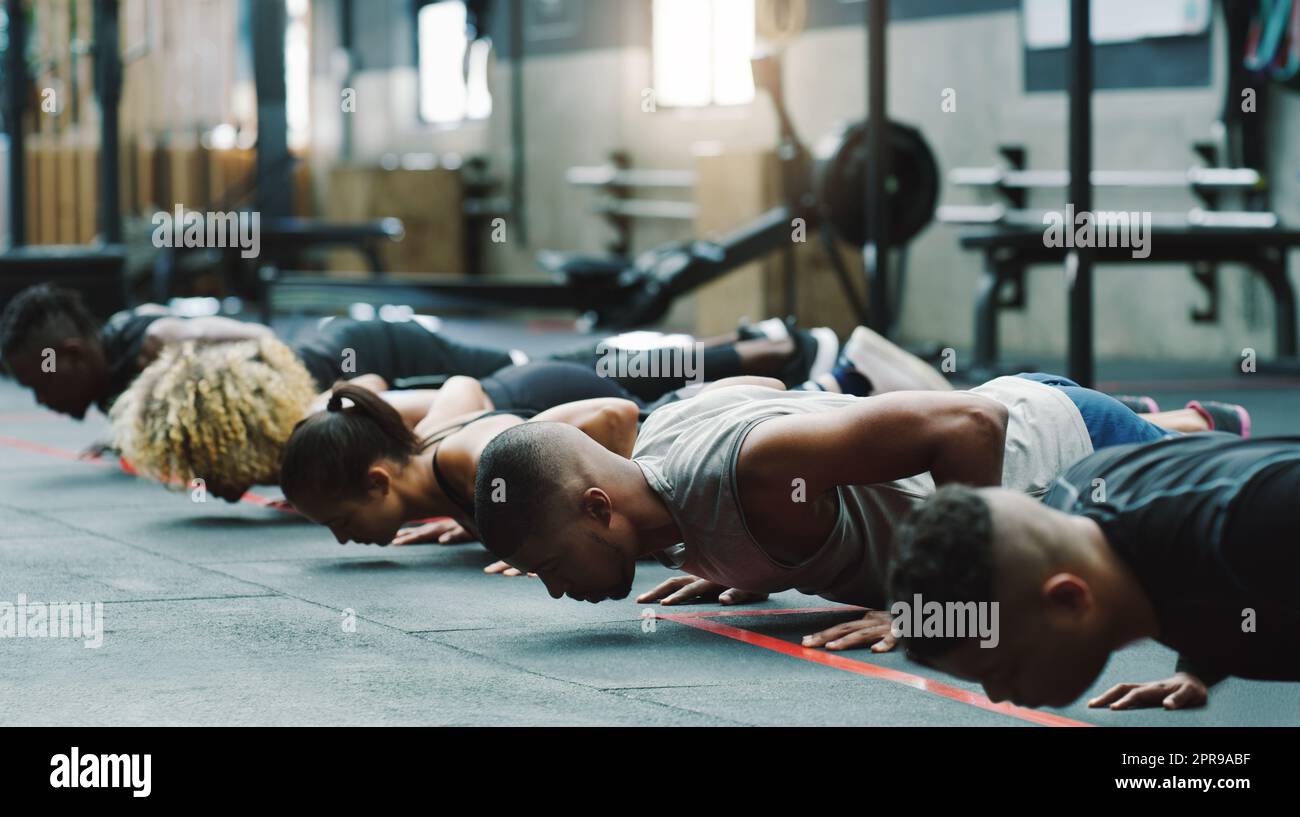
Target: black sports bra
[(437, 439)]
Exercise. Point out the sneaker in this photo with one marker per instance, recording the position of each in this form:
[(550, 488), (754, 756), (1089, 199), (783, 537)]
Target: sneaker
[(1229, 417), (1138, 403), (815, 350), (828, 350), (866, 348), (770, 329)]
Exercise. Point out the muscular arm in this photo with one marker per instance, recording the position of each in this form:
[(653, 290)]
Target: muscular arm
[(609, 421), (458, 397), (958, 437), (211, 329)]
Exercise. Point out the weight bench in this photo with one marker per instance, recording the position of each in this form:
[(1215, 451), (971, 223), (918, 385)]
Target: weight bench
[(285, 237), (1009, 252), (98, 273), (280, 241)]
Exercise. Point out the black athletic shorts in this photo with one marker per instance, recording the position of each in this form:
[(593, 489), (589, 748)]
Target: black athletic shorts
[(536, 387), (396, 351)]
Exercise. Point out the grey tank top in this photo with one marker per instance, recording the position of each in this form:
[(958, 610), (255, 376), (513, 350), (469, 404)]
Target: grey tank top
[(688, 453)]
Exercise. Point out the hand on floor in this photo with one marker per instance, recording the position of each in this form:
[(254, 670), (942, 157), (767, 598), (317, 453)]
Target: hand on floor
[(1183, 691), (442, 532), (97, 450), (504, 569), (875, 629), (681, 589)]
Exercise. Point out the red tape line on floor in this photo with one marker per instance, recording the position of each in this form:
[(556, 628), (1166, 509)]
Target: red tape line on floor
[(37, 448), (701, 621), (830, 659)]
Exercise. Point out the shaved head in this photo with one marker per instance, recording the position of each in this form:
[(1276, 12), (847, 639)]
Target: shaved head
[(524, 475)]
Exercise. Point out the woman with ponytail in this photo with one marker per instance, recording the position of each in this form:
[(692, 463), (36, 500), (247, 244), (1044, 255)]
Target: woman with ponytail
[(222, 413), (361, 471)]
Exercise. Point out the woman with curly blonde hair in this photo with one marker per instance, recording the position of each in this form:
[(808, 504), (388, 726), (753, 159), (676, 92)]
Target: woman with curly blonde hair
[(220, 412), (224, 412)]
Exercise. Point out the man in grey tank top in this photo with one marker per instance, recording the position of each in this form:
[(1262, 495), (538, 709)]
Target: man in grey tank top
[(763, 490)]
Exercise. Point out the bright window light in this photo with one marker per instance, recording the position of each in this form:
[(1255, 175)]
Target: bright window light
[(702, 50), (453, 88), (297, 73), (478, 99)]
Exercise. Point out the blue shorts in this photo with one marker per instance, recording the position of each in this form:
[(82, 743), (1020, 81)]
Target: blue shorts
[(1109, 421)]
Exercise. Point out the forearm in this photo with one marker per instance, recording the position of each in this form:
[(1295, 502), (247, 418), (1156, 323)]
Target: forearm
[(956, 437), (170, 330), (219, 330)]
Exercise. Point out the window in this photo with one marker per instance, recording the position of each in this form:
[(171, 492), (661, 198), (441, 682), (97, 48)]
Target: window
[(297, 72), (453, 70), (702, 50)]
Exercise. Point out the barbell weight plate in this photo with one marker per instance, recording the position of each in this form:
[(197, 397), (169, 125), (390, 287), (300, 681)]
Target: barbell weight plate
[(911, 189)]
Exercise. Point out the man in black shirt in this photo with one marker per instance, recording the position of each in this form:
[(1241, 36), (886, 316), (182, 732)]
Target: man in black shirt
[(1190, 541), (52, 345)]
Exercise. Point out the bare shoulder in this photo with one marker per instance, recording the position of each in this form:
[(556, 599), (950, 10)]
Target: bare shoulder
[(470, 441)]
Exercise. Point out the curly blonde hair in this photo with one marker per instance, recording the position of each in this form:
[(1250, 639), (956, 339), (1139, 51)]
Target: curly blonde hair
[(221, 412)]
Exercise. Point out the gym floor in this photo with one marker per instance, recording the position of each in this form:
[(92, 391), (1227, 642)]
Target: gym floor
[(235, 615)]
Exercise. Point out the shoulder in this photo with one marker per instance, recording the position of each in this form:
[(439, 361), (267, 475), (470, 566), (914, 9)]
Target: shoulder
[(468, 442)]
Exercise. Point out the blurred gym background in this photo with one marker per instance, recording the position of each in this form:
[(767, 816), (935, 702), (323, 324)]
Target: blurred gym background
[(414, 154)]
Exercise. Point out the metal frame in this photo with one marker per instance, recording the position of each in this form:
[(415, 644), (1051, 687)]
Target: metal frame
[(876, 252), (108, 87), (16, 79), (1081, 365), (1009, 253)]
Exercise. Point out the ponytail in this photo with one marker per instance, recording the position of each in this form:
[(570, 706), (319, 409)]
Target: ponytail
[(329, 453)]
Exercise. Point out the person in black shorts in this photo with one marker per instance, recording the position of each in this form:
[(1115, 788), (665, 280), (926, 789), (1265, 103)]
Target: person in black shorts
[(51, 344), (1190, 541), (222, 412)]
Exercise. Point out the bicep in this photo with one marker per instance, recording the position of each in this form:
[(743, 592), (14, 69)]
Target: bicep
[(610, 421), (576, 412), (877, 439)]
